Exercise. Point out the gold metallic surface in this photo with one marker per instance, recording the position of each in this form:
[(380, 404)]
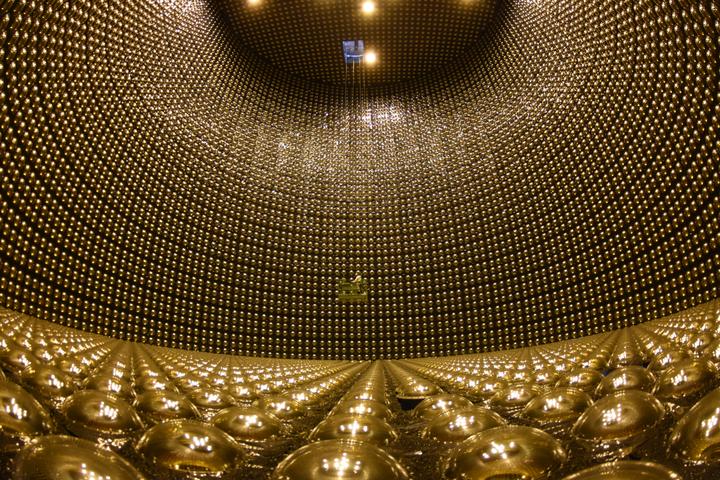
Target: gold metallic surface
[(363, 407), (546, 376), (109, 383), (210, 398), (505, 452), (248, 424), (527, 190), (282, 407), (667, 359), (626, 470), (712, 352), (617, 423), (624, 378), (158, 406), (66, 458), (72, 367), (364, 428), (93, 414), (560, 404), (243, 392), (514, 397), (598, 363), (686, 381), (48, 381), (339, 459), (459, 424), (16, 359), (696, 436), (190, 446), (528, 180), (583, 379), (700, 342), (355, 400), (21, 417), (150, 384), (303, 37), (486, 387), (433, 407), (417, 390)]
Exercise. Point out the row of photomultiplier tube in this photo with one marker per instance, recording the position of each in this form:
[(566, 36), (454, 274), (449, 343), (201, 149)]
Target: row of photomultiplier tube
[(639, 402)]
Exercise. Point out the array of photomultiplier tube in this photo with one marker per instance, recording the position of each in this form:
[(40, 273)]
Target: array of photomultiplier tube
[(162, 184), (641, 402)]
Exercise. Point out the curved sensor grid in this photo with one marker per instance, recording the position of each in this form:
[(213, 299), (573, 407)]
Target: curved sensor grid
[(163, 183)]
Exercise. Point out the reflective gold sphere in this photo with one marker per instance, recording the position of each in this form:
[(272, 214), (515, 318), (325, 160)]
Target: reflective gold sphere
[(281, 407), (485, 387), (306, 397), (618, 423), (513, 397), (700, 342), (159, 406), (144, 370), (191, 382), (626, 470), (243, 392), (417, 390), (67, 458), (626, 356), (210, 398), (269, 388), (116, 369), (459, 424), (21, 417), (92, 414), (355, 427), (696, 437), (364, 407), (625, 378), (371, 394), (247, 424), (434, 406), (668, 358), (561, 404), (150, 384), (339, 460), (597, 362), (190, 446), (47, 381), (684, 382), (16, 359), (712, 352), (44, 354), (584, 379), (108, 383), (72, 367), (506, 452), (546, 376)]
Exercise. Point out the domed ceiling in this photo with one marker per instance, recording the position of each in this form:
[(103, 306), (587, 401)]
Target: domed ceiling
[(410, 38)]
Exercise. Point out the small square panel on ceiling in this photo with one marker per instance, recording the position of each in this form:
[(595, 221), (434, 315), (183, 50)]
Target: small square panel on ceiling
[(353, 50)]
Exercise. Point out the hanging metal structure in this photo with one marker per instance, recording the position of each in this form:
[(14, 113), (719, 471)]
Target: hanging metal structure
[(355, 290)]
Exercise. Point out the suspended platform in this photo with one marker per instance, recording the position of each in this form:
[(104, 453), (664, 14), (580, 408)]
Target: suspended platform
[(352, 292)]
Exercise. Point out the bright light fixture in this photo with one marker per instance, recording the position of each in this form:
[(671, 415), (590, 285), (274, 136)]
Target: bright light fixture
[(252, 3), (370, 57), (368, 6)]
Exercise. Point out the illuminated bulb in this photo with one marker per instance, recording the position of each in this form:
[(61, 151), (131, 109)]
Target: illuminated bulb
[(370, 57), (368, 7), (252, 3)]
